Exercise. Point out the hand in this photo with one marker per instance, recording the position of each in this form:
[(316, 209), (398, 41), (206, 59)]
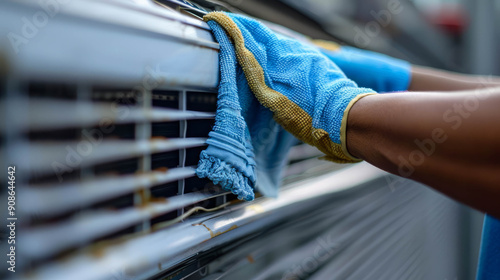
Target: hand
[(377, 71), (308, 94)]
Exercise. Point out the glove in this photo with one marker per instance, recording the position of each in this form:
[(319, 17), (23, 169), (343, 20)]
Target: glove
[(369, 69), (308, 94)]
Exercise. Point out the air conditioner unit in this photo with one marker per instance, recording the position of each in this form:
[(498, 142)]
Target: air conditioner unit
[(106, 106)]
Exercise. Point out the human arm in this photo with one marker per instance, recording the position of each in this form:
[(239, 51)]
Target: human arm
[(431, 79), (449, 142), (320, 106), (387, 74)]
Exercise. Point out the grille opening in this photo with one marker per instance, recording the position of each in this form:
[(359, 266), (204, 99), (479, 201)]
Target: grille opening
[(50, 90), (59, 134), (113, 131), (117, 203), (163, 218), (193, 156), (199, 128), (165, 190), (51, 178), (36, 220), (201, 101), (168, 129), (113, 95), (233, 198), (196, 184), (122, 131), (165, 160), (120, 167), (207, 204), (166, 99)]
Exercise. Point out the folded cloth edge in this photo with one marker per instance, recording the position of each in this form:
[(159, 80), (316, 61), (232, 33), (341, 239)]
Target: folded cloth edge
[(226, 161)]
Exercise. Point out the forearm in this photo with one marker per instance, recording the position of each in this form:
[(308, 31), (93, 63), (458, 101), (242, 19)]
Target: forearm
[(449, 142), (429, 79)]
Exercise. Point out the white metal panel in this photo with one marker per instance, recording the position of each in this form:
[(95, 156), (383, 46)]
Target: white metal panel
[(96, 48), (44, 114), (42, 156), (52, 200)]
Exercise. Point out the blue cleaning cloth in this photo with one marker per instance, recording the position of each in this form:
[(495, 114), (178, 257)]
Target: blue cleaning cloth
[(246, 149), (489, 257), (373, 70), (307, 92)]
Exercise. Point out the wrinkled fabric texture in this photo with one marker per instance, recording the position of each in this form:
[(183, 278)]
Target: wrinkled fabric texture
[(308, 94), (301, 73), (377, 71), (246, 149), (489, 256)]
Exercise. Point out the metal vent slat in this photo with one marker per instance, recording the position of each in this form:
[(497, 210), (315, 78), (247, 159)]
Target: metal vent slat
[(51, 239), (86, 42), (51, 200), (46, 114), (105, 151)]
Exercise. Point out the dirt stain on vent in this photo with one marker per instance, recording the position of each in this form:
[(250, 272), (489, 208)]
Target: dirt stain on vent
[(212, 234), (250, 259)]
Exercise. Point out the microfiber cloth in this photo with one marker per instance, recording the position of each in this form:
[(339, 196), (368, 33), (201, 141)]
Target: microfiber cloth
[(489, 257), (300, 88), (246, 149)]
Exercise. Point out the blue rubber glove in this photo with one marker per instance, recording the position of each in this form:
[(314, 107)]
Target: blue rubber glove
[(370, 69), (308, 94), (489, 258)]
